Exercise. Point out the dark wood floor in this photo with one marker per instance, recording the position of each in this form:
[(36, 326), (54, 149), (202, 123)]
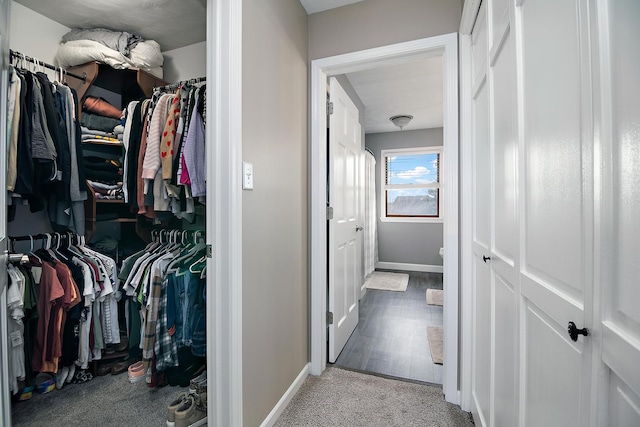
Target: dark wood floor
[(391, 336)]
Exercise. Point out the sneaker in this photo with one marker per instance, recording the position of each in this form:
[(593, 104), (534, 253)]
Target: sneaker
[(198, 385), (173, 406), (193, 413), (72, 373), (62, 376)]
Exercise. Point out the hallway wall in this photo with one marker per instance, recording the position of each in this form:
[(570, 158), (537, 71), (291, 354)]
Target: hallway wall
[(375, 23), (274, 227)]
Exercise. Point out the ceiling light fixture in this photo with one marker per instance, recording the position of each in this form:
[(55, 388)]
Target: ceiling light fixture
[(401, 120)]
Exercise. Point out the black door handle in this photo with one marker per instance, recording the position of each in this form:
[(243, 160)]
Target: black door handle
[(485, 258), (574, 331)]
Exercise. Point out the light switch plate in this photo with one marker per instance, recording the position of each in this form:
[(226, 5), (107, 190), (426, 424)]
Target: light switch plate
[(247, 176)]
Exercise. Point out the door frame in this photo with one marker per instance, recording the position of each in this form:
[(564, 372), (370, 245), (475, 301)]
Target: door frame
[(224, 217), (447, 46)]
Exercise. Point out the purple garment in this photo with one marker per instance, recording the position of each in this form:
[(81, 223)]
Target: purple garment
[(194, 154)]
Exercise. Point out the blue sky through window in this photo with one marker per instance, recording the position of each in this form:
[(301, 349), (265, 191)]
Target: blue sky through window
[(413, 169)]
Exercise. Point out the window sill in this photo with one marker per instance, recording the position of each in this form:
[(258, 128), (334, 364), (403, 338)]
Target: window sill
[(413, 220)]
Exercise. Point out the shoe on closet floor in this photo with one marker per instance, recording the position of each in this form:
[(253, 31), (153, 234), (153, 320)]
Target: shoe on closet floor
[(62, 376), (120, 367), (104, 369), (174, 406), (193, 412), (198, 385)]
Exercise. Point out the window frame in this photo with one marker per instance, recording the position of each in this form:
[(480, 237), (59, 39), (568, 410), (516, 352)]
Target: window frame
[(384, 186)]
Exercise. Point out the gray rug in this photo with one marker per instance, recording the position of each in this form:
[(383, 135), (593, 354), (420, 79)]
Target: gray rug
[(435, 297), (351, 399), (434, 334), (385, 281), (104, 401)]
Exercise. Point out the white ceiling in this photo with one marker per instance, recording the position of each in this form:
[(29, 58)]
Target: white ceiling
[(414, 88), (313, 6), (172, 23)]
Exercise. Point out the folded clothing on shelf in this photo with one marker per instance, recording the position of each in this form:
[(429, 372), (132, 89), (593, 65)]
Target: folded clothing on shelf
[(97, 122)]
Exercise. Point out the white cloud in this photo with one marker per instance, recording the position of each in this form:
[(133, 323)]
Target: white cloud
[(417, 172), (425, 181)]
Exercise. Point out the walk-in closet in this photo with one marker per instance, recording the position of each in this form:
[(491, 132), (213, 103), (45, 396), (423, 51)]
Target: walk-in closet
[(104, 318)]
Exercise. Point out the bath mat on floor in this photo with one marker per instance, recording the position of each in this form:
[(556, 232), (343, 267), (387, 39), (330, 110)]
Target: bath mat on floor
[(387, 281), (435, 297), (434, 334)]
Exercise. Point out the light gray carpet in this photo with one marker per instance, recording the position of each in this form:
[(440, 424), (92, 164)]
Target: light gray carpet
[(104, 401), (386, 281), (345, 398), (435, 297)]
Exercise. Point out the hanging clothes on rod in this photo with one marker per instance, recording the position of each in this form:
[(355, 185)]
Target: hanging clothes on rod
[(164, 141), (166, 305), (45, 167), (68, 296)]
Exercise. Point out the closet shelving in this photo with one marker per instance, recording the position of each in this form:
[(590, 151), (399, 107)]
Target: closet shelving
[(130, 84)]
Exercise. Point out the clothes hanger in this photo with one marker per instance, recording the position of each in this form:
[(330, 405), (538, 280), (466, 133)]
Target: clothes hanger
[(56, 250), (31, 249)]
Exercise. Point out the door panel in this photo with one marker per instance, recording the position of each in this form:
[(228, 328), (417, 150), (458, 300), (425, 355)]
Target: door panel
[(624, 404), (345, 151), (620, 321), (552, 105), (479, 43), (499, 19), (505, 353), (481, 230), (557, 265), (552, 367), (481, 384), (504, 151), (482, 175)]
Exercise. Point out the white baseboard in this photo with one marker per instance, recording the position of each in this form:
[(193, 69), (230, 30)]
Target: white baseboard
[(286, 398), (409, 267)]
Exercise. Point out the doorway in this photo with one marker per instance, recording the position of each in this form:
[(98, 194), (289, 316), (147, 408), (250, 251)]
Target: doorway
[(445, 46)]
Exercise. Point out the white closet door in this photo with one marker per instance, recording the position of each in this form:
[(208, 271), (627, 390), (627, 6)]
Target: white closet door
[(617, 318), (481, 381)]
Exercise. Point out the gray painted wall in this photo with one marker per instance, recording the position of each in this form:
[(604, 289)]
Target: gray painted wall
[(413, 243), (185, 62), (274, 236), (374, 23)]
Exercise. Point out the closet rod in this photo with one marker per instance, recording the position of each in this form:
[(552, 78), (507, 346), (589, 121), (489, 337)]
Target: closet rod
[(17, 55), (53, 234), (184, 82)]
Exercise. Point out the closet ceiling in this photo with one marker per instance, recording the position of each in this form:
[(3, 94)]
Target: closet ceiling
[(414, 88), (313, 6), (172, 23)]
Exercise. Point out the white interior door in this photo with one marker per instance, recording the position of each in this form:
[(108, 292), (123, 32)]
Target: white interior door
[(617, 315), (345, 152), (481, 380), (556, 184)]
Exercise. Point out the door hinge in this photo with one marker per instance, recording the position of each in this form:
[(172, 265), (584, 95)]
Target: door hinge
[(329, 212), (329, 108), (209, 251), (329, 318)]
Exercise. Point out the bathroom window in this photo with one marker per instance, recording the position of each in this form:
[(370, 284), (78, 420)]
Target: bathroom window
[(411, 185)]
